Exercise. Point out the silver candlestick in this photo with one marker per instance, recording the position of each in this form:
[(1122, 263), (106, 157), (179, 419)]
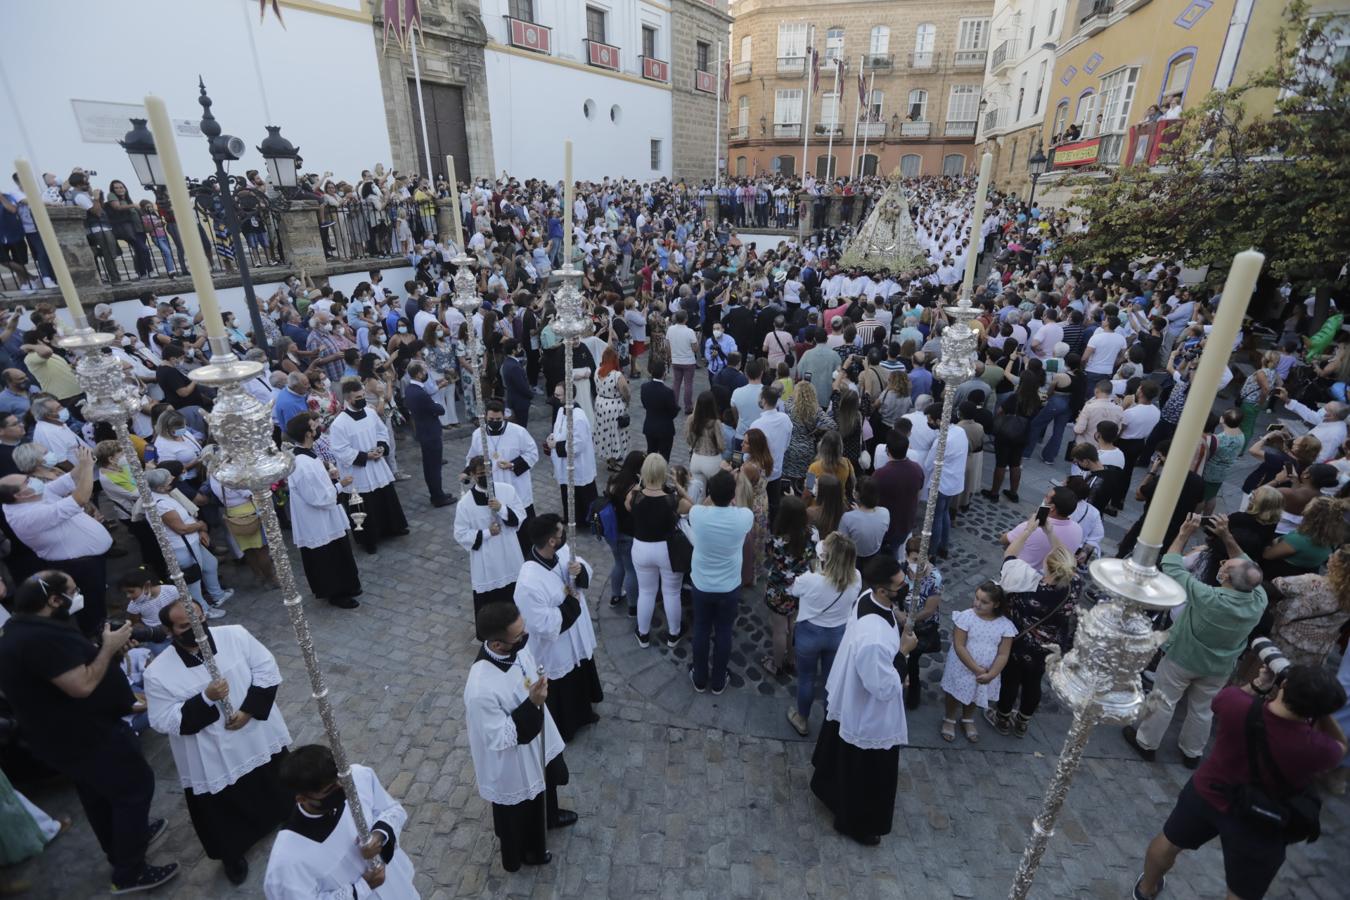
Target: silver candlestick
[(569, 325), (1099, 677), (957, 364), (467, 300), (113, 398), (246, 458)]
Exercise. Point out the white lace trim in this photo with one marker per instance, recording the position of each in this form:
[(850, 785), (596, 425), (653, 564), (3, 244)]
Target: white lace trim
[(863, 743), (528, 793), (216, 785)]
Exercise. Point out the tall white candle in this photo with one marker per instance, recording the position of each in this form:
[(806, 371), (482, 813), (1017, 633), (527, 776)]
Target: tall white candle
[(1237, 293), (567, 203), (33, 191), (973, 252), (454, 204), (193, 251)]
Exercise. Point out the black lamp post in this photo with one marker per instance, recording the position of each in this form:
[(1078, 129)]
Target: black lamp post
[(1036, 165)]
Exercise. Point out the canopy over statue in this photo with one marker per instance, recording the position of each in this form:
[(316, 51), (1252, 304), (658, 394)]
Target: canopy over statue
[(886, 240)]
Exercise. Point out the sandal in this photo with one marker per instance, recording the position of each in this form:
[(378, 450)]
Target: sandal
[(768, 665), (972, 733), (948, 730)]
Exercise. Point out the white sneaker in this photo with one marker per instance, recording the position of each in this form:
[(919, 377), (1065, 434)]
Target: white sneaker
[(27, 287), (215, 612), (48, 283), (220, 600)]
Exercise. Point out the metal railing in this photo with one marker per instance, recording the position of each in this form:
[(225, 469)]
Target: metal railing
[(739, 133), (1101, 8), (366, 229), (924, 60), (878, 60), (916, 129), (786, 131), (970, 59), (828, 128), (959, 129), (991, 119), (871, 130), (779, 212), (1002, 56), (156, 252), (792, 65)]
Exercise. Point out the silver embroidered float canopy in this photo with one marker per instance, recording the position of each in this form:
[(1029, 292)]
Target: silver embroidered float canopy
[(886, 240)]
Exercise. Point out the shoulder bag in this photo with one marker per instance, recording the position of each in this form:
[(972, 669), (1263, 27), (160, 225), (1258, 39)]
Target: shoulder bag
[(1293, 816), (678, 546)]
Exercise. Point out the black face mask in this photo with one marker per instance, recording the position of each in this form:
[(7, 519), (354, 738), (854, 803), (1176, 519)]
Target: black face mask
[(496, 427), (359, 403), (334, 802), (514, 649), (481, 481), (187, 640)]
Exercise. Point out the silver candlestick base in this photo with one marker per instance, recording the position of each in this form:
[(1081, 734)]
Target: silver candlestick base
[(467, 300), (246, 458), (570, 325), (111, 397), (1099, 677)]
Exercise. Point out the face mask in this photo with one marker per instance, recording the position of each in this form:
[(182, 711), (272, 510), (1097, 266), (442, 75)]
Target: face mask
[(51, 458), (402, 329), (379, 338), (334, 802), (37, 485), (717, 332), (359, 403), (63, 415), (496, 427), (326, 327), (74, 604)]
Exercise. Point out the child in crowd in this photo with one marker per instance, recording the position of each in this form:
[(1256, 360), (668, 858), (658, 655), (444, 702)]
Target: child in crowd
[(981, 641)]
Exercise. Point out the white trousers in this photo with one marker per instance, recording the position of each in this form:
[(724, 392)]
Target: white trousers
[(1170, 684), (651, 561)]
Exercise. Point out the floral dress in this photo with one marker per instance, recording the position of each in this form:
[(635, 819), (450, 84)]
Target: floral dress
[(752, 551), (783, 569), (611, 440), (801, 448), (982, 639)]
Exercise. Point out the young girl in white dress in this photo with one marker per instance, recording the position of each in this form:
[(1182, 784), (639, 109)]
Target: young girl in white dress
[(981, 642)]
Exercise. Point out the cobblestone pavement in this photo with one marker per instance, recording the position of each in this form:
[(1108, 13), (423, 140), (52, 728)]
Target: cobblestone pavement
[(681, 795)]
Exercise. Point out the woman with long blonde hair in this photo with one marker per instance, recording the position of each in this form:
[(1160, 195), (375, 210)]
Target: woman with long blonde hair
[(825, 598)]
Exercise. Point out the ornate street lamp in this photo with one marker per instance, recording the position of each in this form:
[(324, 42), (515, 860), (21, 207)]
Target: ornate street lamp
[(1036, 165), (139, 144), (282, 158)]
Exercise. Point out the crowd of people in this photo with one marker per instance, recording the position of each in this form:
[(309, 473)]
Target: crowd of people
[(811, 452)]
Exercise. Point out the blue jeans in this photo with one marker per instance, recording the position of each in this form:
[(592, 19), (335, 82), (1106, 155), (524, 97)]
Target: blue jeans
[(1338, 391), (623, 577), (942, 521), (714, 616), (814, 645), (1056, 410), (162, 243)]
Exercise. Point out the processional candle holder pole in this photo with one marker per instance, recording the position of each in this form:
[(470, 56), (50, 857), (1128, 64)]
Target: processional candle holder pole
[(467, 300), (112, 397), (570, 325)]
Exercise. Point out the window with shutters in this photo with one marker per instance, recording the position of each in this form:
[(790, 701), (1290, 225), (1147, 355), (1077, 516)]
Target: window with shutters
[(879, 43), (791, 40), (649, 42), (595, 25), (918, 106), (972, 34), (953, 164), (829, 110), (1040, 88), (1117, 98), (964, 103), (656, 155), (743, 115), (874, 108), (745, 49), (1177, 78), (1061, 120), (787, 107), (834, 43), (925, 38)]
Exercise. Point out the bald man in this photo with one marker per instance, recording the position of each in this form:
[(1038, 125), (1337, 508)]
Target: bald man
[(14, 398)]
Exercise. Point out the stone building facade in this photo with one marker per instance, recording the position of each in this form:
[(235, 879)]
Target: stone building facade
[(698, 28), (927, 56), (454, 90)]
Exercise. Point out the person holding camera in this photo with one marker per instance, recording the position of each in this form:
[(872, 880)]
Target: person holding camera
[(1203, 645), (69, 696), (1252, 791)]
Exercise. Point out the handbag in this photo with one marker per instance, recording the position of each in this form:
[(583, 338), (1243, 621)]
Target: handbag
[(680, 549), (1012, 429), (929, 635), (1294, 816), (624, 420), (193, 573)]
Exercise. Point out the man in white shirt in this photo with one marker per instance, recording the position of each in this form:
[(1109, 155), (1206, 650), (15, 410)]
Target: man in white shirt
[(1048, 335), (1329, 423), (777, 429), (683, 343), (952, 483), (50, 430), (1104, 350)]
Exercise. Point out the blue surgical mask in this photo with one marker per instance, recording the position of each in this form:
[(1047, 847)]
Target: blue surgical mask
[(180, 432), (63, 415)]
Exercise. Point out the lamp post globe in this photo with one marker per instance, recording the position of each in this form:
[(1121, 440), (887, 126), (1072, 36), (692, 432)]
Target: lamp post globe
[(139, 144), (282, 158), (1036, 165)]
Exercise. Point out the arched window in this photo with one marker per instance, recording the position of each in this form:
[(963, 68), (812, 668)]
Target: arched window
[(740, 166), (868, 164), (910, 165), (825, 167), (1178, 76), (918, 106), (1085, 116), (953, 164), (1061, 119)]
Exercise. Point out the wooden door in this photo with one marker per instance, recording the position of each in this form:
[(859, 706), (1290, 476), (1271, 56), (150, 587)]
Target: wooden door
[(445, 127)]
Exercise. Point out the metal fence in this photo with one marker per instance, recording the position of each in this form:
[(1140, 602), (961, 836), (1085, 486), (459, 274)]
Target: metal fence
[(363, 229)]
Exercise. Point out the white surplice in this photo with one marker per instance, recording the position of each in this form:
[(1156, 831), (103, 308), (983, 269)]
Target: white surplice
[(304, 869), (514, 442), (215, 758), (496, 560), (864, 688), (583, 465), (316, 518), (348, 438), (507, 771), (539, 592)]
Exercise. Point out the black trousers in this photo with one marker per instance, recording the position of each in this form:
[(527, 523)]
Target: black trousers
[(775, 491), (586, 494), (432, 455), (520, 827), (115, 786), (532, 366), (1020, 685), (661, 445), (1133, 448), (91, 577)]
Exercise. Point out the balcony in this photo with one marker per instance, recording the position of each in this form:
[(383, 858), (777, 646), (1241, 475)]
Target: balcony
[(959, 129), (740, 71), (914, 131), (1003, 58), (825, 129), (970, 59), (879, 61), (739, 133), (603, 56), (791, 66), (1096, 19), (705, 82), (655, 69), (991, 121), (872, 130), (528, 35), (924, 61), (786, 131)]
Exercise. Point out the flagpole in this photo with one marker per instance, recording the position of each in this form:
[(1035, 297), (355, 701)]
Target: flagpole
[(857, 117), (806, 123), (830, 169), (421, 109), (870, 84), (717, 126)]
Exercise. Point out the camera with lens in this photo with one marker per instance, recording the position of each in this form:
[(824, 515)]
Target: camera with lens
[(1272, 657), (142, 634)]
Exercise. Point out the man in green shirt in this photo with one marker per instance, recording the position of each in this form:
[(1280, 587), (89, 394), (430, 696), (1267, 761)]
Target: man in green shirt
[(1202, 646)]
